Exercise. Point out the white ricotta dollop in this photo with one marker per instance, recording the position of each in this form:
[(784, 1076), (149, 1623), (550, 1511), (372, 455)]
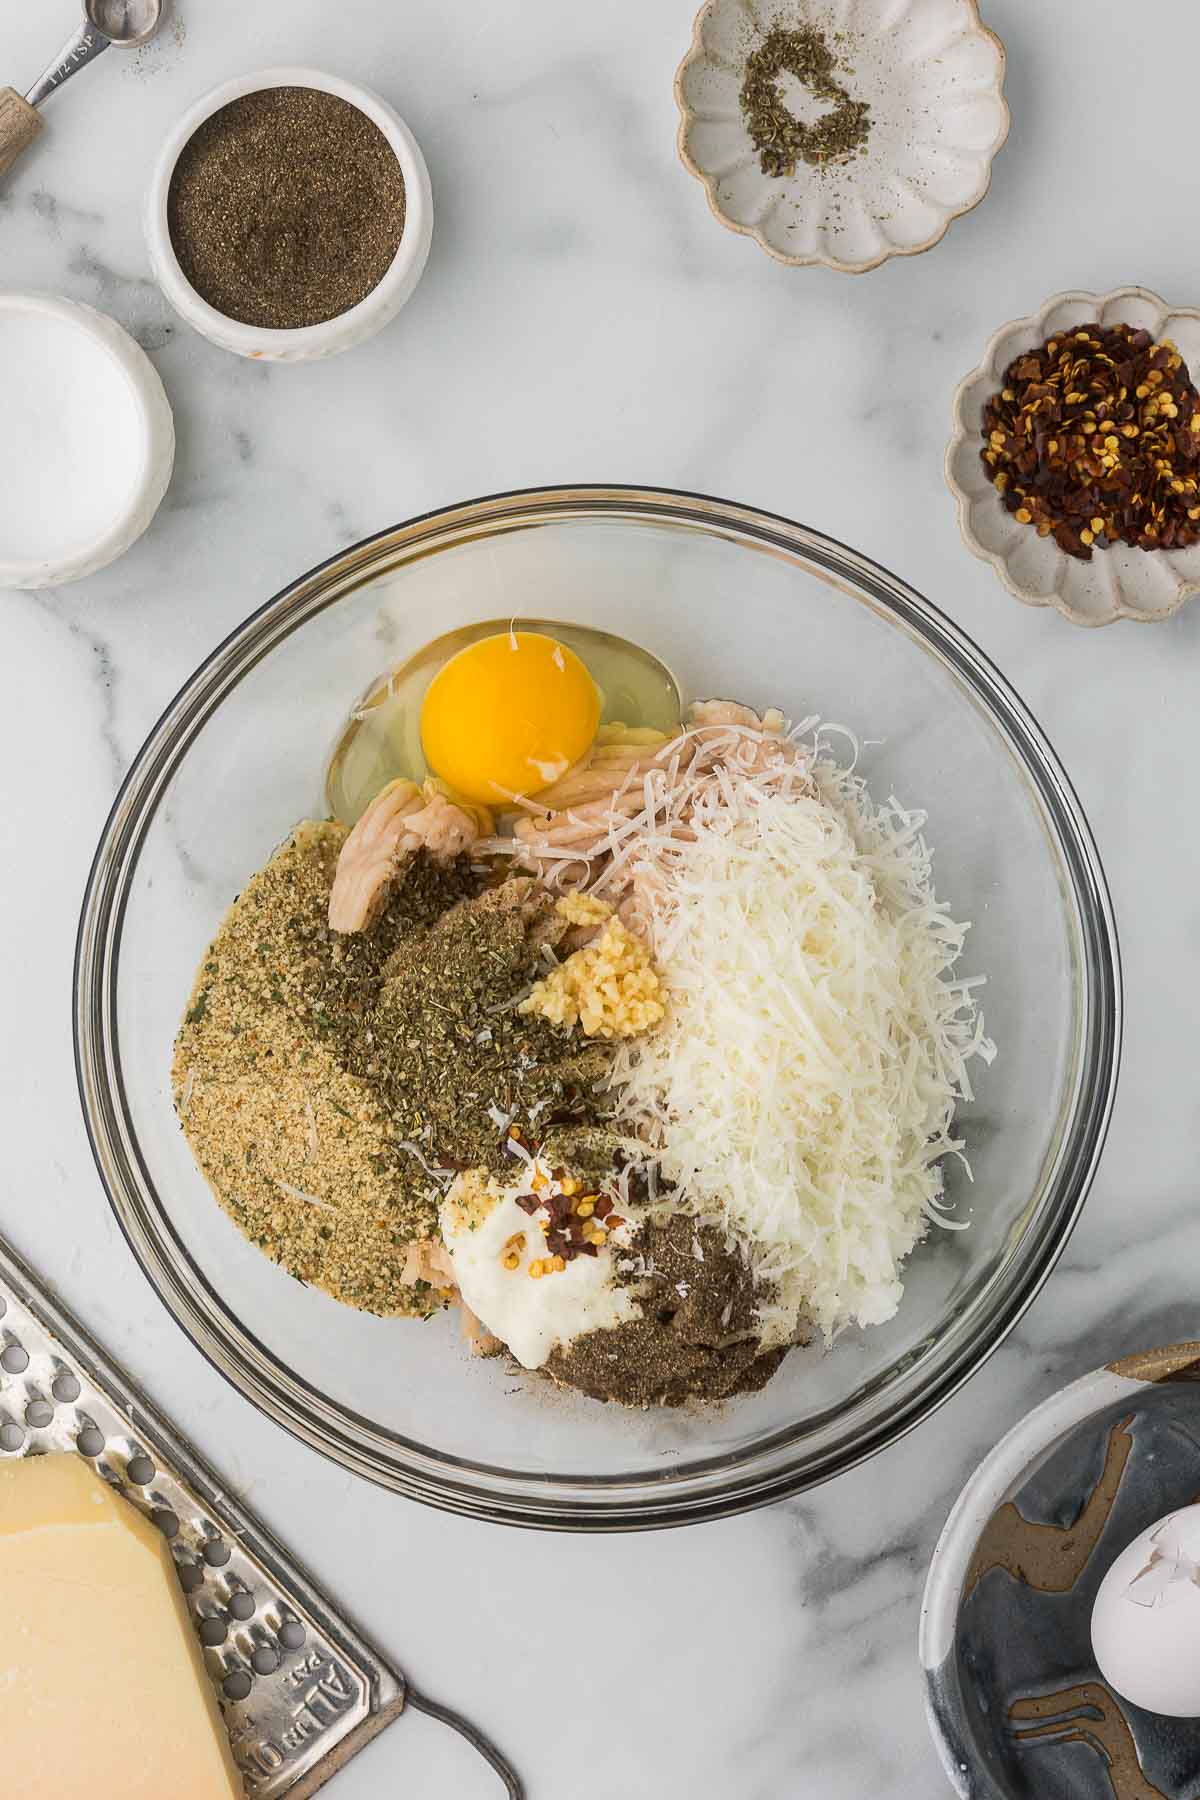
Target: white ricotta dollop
[(481, 1225)]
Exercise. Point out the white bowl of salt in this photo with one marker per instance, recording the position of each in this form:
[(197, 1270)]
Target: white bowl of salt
[(87, 441)]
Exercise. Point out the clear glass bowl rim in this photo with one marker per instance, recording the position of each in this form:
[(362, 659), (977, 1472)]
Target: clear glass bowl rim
[(775, 1466)]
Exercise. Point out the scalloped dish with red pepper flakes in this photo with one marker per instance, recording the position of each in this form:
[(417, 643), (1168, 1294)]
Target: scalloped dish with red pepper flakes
[(1094, 439)]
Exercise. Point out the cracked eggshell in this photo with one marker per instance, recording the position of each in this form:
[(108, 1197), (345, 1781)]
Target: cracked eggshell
[(933, 76), (1146, 1619)]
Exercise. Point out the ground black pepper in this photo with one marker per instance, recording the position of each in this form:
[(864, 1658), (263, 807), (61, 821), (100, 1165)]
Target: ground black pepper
[(782, 139), (696, 1339), (286, 208)]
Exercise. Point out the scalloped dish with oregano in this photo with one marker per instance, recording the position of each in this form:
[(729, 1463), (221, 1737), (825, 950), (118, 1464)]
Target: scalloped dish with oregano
[(632, 1030)]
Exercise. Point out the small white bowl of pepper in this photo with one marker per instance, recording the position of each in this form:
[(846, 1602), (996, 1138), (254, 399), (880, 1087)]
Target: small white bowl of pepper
[(290, 215), (1075, 458)]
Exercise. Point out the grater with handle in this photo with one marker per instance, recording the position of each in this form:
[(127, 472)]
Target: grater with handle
[(300, 1690)]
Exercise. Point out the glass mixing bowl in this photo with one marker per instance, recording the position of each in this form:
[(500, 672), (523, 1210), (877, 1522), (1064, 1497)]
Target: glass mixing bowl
[(735, 602)]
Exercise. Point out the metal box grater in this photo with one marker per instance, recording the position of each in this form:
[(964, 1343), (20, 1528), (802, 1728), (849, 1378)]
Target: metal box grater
[(300, 1690)]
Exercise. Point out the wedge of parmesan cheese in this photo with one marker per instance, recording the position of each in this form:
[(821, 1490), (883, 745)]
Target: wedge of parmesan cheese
[(103, 1689)]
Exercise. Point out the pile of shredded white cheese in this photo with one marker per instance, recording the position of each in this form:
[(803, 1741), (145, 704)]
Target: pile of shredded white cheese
[(802, 1087)]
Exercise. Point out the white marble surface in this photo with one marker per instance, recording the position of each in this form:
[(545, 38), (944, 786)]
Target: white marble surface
[(584, 318)]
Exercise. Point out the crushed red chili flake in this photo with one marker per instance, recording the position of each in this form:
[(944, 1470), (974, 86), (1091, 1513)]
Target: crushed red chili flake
[(1095, 439), (564, 1229)]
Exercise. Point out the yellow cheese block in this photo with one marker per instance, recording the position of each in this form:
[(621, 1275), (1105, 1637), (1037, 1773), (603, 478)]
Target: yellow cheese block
[(103, 1690)]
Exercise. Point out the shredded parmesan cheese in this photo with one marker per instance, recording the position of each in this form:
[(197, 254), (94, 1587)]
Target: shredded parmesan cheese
[(802, 1087), (295, 1193)]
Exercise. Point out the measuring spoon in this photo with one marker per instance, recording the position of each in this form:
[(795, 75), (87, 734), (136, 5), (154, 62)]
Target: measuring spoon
[(126, 23)]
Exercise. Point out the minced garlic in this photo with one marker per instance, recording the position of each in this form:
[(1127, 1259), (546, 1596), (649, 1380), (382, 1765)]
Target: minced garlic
[(610, 987), (583, 909)]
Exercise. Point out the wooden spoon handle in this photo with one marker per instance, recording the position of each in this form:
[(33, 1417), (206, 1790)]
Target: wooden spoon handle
[(20, 123)]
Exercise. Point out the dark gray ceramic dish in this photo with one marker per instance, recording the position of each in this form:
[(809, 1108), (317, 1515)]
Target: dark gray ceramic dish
[(1016, 1703)]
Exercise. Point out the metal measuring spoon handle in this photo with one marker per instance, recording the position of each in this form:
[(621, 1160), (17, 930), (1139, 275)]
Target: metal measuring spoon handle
[(79, 50), (19, 122), (126, 23)]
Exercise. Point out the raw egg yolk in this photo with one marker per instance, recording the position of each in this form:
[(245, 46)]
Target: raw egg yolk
[(508, 715)]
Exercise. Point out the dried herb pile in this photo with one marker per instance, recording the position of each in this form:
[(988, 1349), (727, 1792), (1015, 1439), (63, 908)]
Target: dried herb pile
[(782, 139), (1094, 439), (447, 1050)]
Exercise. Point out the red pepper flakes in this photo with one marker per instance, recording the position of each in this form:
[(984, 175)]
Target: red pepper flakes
[(1095, 439), (569, 1230)]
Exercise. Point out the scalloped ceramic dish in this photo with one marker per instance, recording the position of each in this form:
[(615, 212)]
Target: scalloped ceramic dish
[(1119, 583), (933, 76)]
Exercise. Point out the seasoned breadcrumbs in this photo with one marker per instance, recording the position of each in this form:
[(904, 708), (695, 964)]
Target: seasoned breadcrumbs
[(298, 1151)]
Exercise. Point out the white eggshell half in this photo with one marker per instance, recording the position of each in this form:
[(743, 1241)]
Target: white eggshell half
[(1146, 1619)]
